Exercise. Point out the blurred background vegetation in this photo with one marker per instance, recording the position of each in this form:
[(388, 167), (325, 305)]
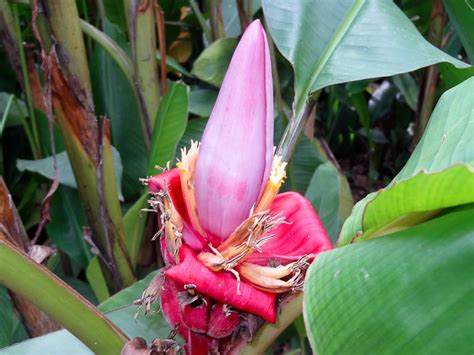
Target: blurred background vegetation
[(367, 129)]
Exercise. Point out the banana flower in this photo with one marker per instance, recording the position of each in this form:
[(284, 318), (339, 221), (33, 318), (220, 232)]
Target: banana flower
[(231, 242)]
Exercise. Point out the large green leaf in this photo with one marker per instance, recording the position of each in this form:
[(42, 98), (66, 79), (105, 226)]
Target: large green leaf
[(115, 98), (438, 175), (212, 64), (407, 293), (409, 89), (119, 309), (330, 194), (330, 42), (170, 126), (66, 226), (115, 13), (45, 167), (201, 102), (461, 14), (302, 166), (453, 76)]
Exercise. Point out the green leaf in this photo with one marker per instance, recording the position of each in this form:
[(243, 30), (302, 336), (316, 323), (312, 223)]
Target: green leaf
[(201, 102), (330, 42), (51, 295), (409, 88), (55, 343), (115, 98), (461, 14), (230, 16), (419, 12), (302, 166), (453, 76), (170, 126), (330, 195), (194, 131), (134, 223), (407, 293), (438, 175), (448, 138), (97, 280), (11, 327), (45, 167), (13, 117), (212, 64), (119, 309), (382, 99), (66, 226), (173, 66), (115, 13)]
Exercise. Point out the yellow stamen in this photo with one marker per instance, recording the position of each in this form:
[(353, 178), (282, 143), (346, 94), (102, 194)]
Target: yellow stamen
[(277, 178), (172, 224), (187, 167)]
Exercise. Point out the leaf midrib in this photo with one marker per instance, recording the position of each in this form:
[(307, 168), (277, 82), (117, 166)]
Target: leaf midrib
[(328, 51)]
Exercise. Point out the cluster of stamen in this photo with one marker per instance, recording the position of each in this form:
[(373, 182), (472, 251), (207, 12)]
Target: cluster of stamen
[(248, 237), (186, 167), (171, 222), (278, 279), (151, 294)]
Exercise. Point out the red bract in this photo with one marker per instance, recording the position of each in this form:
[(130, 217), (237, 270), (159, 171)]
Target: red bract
[(230, 242), (222, 286)]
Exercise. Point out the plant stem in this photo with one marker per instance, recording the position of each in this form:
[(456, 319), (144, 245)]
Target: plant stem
[(201, 20), (125, 64), (62, 303), (6, 112), (248, 9), (24, 122), (220, 20), (113, 49), (243, 19), (294, 128), (35, 143), (160, 28), (212, 19), (143, 42), (63, 18), (426, 105)]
